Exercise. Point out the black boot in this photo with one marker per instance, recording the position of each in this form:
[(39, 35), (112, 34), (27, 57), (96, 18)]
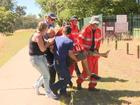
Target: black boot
[(95, 77)]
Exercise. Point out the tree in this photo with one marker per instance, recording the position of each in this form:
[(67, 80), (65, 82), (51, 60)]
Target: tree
[(126, 7), (7, 4), (20, 10), (29, 21), (86, 8), (7, 20)]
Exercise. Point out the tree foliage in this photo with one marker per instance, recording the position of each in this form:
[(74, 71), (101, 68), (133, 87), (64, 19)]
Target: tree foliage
[(85, 8), (7, 4), (13, 17), (25, 22), (7, 20)]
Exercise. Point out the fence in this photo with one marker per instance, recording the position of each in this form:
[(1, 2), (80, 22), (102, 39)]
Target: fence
[(109, 26)]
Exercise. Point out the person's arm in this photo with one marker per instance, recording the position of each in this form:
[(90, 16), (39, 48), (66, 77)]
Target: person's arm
[(40, 43), (50, 42)]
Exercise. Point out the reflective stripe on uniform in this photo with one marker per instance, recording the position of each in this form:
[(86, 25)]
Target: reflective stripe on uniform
[(85, 38), (98, 39), (86, 46)]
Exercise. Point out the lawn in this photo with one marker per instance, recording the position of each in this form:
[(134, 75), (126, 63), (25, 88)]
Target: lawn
[(120, 83), (11, 44)]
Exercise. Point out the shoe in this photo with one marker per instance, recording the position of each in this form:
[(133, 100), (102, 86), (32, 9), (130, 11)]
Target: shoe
[(79, 87), (52, 95), (93, 89), (37, 92), (36, 89), (95, 76)]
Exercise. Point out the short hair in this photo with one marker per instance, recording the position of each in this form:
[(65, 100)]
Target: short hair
[(67, 29), (41, 26)]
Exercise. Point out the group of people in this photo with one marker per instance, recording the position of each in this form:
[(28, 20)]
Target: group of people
[(57, 51)]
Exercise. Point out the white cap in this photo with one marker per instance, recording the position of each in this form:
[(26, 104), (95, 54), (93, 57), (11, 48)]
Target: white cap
[(94, 20)]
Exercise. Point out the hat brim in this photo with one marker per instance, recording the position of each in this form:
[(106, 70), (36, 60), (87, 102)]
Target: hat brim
[(94, 22), (53, 17)]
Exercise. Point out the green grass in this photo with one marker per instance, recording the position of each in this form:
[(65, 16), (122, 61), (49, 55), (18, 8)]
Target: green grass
[(13, 43)]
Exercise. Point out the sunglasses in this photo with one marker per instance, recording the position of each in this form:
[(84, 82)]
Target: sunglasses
[(52, 19)]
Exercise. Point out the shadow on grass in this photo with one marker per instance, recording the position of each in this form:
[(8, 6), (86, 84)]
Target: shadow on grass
[(102, 97), (112, 79)]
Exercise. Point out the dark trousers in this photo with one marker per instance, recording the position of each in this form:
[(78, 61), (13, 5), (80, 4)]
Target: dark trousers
[(52, 74), (64, 78)]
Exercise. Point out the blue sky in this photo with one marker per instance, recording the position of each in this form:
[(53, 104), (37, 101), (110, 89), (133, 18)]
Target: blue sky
[(32, 7)]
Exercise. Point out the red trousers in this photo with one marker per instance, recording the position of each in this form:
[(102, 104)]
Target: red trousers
[(93, 66)]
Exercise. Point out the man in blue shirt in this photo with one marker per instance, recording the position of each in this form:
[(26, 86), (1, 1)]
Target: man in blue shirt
[(62, 49)]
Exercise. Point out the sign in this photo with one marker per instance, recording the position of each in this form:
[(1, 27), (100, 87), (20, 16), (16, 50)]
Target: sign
[(109, 28), (121, 27), (121, 18)]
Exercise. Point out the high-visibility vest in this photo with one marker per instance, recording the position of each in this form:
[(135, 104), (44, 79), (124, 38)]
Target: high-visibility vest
[(74, 33), (98, 37), (74, 36), (86, 36)]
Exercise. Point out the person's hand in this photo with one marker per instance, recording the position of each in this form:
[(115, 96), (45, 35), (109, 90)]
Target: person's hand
[(50, 41)]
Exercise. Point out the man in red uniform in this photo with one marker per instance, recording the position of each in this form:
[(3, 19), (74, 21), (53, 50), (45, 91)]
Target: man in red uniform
[(90, 40), (74, 37)]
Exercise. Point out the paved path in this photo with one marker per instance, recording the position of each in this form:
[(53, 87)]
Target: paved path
[(17, 77)]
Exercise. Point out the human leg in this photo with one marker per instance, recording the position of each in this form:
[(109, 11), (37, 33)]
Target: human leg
[(40, 63)]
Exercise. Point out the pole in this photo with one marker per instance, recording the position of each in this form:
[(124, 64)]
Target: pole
[(116, 44), (138, 51), (107, 40), (127, 48)]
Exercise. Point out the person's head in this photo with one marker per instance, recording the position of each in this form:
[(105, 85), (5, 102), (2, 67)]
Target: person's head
[(51, 32), (42, 27), (74, 20), (50, 18), (67, 30), (94, 22)]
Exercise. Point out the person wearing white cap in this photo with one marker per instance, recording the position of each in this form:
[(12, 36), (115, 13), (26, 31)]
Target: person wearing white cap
[(90, 39)]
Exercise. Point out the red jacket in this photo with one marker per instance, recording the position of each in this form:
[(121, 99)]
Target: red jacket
[(86, 36), (74, 36)]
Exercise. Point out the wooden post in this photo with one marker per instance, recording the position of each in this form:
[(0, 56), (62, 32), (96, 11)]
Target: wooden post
[(127, 48), (116, 44), (138, 51), (107, 40)]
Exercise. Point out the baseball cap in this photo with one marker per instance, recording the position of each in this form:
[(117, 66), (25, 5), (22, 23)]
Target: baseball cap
[(52, 15), (74, 18)]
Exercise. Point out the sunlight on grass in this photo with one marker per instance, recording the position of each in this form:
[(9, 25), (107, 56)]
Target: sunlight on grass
[(10, 45)]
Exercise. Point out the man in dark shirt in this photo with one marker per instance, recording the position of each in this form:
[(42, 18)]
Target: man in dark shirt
[(62, 49), (50, 20)]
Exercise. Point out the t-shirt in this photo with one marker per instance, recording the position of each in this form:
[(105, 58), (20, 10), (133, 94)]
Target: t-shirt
[(62, 46), (49, 25)]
